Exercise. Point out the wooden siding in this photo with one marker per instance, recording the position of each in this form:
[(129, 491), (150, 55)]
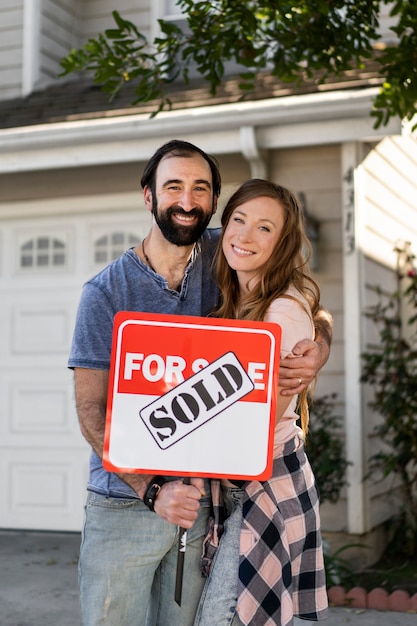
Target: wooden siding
[(64, 24), (385, 23), (97, 15), (389, 201), (11, 48), (67, 24), (316, 172), (389, 212), (59, 23), (60, 26)]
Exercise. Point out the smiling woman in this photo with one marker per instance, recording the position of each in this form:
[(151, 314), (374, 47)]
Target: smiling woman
[(250, 236), (270, 564)]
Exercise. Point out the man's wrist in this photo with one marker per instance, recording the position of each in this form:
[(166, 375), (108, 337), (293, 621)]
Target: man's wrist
[(152, 491), (323, 323)]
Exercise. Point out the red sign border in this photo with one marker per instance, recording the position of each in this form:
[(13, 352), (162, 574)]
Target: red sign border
[(186, 320)]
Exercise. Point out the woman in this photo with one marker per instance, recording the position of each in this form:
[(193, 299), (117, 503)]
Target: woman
[(269, 565)]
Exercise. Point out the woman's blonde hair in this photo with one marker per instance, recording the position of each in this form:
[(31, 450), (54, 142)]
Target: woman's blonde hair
[(287, 265)]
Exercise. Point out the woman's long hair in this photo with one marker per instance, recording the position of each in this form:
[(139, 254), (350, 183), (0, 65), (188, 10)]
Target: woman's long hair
[(288, 265)]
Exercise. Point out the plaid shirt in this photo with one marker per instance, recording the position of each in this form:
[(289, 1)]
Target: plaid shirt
[(281, 571)]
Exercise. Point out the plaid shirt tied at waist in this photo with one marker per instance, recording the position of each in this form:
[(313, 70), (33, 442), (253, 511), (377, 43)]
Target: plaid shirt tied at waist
[(281, 565)]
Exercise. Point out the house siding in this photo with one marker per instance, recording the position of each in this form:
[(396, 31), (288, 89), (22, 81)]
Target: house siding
[(11, 48), (33, 62), (390, 217), (59, 23), (97, 16)]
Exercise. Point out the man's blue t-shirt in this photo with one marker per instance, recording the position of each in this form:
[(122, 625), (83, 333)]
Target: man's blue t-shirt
[(128, 284)]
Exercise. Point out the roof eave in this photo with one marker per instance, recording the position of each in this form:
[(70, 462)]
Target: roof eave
[(309, 119)]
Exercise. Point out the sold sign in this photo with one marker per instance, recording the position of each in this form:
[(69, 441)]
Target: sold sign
[(192, 396)]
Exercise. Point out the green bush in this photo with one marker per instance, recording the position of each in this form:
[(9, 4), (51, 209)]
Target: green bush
[(325, 448)]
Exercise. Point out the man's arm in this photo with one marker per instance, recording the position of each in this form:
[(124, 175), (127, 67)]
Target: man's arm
[(176, 503), (308, 357)]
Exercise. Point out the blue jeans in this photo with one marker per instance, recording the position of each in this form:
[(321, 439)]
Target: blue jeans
[(127, 565), (219, 598)]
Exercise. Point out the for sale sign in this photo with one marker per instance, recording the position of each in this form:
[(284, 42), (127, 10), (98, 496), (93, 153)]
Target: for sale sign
[(192, 396)]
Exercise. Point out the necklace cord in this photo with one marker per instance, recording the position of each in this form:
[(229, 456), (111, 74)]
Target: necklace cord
[(146, 256), (148, 261)]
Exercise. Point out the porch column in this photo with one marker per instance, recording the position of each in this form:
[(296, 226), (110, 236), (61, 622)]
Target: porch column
[(352, 314)]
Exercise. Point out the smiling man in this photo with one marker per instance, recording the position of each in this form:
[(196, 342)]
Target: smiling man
[(182, 200), (129, 546)]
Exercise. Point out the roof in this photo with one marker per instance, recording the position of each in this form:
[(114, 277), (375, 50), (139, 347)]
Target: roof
[(82, 100)]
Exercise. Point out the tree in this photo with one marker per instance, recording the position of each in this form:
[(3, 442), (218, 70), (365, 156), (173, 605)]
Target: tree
[(292, 40)]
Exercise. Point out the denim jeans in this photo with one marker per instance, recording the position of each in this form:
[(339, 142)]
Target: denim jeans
[(127, 566), (219, 598)]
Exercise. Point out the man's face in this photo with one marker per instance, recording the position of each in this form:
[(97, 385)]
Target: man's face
[(183, 201)]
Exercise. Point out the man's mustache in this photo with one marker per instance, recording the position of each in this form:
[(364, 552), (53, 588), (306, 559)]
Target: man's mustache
[(196, 212)]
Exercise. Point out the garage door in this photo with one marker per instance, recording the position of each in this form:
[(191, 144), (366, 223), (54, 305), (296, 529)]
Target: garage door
[(43, 264)]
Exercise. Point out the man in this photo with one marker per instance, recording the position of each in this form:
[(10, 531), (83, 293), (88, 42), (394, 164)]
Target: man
[(129, 547)]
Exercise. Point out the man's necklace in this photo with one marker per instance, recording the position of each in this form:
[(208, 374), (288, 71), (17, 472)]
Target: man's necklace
[(146, 256), (148, 261)]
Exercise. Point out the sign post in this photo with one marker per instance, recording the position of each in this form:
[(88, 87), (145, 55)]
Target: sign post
[(182, 544)]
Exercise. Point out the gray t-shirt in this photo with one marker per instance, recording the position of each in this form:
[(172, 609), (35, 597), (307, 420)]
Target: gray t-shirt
[(128, 284)]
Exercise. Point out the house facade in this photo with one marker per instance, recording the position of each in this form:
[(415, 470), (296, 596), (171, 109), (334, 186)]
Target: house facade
[(70, 201)]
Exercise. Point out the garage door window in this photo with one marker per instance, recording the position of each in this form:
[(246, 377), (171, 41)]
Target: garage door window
[(109, 247), (42, 253)]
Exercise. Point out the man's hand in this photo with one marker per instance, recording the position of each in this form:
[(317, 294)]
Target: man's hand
[(301, 367), (178, 503)]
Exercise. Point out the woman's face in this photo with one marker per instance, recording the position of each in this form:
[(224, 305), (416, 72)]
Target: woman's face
[(251, 235)]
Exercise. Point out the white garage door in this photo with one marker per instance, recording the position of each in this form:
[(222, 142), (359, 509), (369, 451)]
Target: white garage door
[(43, 264)]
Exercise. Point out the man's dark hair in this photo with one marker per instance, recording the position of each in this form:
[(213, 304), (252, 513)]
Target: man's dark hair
[(179, 148)]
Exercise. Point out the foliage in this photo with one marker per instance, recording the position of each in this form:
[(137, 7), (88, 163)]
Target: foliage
[(325, 449), (398, 95), (338, 569), (293, 40), (393, 571), (391, 369)]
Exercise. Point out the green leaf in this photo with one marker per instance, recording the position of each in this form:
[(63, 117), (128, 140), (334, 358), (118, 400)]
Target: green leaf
[(293, 40)]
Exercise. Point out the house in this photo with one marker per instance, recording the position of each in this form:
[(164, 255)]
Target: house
[(70, 201)]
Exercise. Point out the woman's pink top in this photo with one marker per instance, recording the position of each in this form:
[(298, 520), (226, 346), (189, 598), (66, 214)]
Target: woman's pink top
[(296, 323)]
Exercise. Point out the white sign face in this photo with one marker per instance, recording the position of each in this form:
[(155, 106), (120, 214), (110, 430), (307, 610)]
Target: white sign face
[(192, 396)]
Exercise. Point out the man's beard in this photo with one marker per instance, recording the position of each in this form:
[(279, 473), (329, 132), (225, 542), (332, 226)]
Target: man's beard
[(181, 235)]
